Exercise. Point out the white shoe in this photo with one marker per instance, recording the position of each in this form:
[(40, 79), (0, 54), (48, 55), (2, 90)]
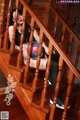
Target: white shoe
[(59, 103), (48, 82)]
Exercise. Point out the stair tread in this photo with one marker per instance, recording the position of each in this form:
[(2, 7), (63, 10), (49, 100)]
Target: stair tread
[(37, 100), (16, 68), (31, 77), (30, 84)]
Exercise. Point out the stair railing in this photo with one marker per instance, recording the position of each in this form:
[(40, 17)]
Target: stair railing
[(68, 37), (63, 57)]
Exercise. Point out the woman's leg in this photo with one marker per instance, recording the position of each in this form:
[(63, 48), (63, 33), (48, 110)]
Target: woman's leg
[(52, 78), (53, 74)]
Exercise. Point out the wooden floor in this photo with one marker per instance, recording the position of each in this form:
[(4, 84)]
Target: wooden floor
[(15, 110)]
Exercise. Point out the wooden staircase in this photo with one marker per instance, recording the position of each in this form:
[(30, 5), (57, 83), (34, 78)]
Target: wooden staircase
[(25, 92), (31, 90)]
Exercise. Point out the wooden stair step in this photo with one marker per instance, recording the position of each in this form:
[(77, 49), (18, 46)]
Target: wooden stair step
[(37, 101), (30, 84), (5, 54), (13, 58), (31, 76), (13, 67), (7, 51)]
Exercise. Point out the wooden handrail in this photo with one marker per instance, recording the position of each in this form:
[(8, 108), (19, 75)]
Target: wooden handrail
[(53, 40)]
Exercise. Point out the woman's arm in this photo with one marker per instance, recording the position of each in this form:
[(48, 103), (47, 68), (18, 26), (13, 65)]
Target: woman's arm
[(11, 35)]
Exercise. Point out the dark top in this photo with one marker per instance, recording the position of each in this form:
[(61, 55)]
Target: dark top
[(26, 35)]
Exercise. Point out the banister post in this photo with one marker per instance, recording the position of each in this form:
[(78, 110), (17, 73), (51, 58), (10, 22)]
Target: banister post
[(38, 61), (46, 75), (69, 89), (29, 52), (12, 47), (2, 21), (19, 59), (6, 36), (52, 113)]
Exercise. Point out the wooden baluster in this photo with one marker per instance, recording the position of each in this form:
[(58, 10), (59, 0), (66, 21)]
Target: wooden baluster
[(29, 52), (2, 21), (69, 89), (38, 61), (55, 26), (70, 45), (12, 47), (56, 89), (46, 75), (6, 37), (19, 60)]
